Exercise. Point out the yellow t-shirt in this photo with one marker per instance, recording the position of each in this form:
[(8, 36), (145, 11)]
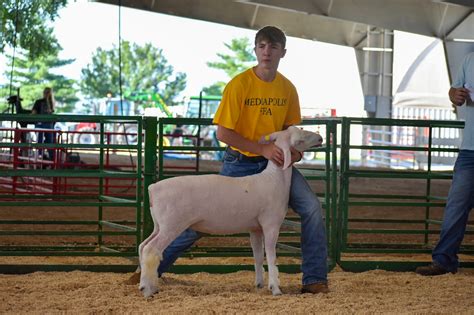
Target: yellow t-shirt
[(254, 108)]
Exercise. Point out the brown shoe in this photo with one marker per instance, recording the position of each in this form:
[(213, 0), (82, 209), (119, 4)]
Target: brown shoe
[(432, 270), (315, 288)]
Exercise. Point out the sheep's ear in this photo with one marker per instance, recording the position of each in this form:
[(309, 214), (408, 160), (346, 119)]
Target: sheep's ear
[(287, 156), (285, 145)]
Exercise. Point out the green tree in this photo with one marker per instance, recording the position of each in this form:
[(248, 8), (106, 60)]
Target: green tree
[(31, 76), (144, 69), (214, 89), (241, 57), (25, 24)]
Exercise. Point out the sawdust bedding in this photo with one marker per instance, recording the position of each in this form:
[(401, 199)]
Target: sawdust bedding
[(374, 291), (202, 293)]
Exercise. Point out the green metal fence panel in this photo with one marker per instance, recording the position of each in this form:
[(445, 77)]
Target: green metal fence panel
[(149, 174), (86, 204), (81, 200), (382, 228), (199, 151)]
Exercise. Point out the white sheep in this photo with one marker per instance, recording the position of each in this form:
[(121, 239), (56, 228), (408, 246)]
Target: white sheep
[(217, 204)]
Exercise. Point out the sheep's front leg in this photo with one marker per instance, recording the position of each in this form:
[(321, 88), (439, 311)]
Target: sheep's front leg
[(271, 237), (256, 240)]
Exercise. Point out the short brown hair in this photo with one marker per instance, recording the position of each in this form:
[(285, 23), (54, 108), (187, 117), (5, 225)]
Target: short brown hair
[(271, 33)]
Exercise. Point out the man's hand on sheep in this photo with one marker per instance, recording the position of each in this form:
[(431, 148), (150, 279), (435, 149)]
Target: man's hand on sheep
[(273, 153)]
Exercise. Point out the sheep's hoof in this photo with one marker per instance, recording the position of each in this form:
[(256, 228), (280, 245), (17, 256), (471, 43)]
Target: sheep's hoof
[(148, 291), (134, 279), (259, 285), (275, 290)]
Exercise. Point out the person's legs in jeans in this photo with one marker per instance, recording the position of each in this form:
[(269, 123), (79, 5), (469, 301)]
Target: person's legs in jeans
[(40, 137), (184, 241), (313, 231), (49, 138), (456, 214), (236, 168)]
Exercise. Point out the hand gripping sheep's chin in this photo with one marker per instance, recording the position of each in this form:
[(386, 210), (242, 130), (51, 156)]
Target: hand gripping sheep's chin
[(217, 204)]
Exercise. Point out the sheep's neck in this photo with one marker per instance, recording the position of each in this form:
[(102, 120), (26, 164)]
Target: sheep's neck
[(275, 171)]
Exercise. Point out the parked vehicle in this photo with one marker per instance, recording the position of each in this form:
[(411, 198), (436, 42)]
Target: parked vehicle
[(123, 133)]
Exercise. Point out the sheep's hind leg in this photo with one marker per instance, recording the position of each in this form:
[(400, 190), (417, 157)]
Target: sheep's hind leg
[(152, 254), (149, 262), (271, 237), (256, 240), (144, 243), (135, 278)]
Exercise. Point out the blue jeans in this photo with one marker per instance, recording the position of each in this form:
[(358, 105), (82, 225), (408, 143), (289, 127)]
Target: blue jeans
[(302, 200), (46, 137), (456, 214)]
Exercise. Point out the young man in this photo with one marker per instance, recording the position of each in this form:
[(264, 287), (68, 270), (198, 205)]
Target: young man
[(461, 195), (255, 103)]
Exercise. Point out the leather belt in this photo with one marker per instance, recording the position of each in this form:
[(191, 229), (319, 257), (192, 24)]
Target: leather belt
[(243, 157)]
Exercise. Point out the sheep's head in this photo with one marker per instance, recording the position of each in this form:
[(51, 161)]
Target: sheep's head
[(303, 140), (297, 138)]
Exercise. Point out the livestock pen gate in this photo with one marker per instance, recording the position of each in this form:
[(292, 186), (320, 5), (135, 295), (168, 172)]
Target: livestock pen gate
[(66, 213), (76, 225), (321, 173), (390, 218), (98, 210)]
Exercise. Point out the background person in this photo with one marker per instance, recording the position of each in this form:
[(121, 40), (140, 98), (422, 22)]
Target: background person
[(45, 106), (461, 194)]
